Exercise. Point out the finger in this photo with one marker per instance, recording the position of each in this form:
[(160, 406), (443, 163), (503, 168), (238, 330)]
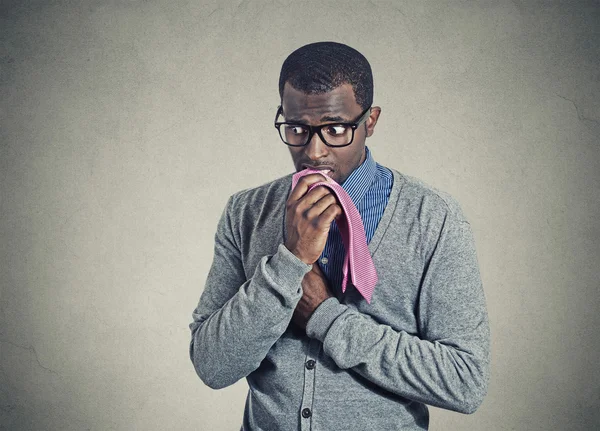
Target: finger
[(306, 202), (330, 214), (315, 195), (304, 184), (321, 205)]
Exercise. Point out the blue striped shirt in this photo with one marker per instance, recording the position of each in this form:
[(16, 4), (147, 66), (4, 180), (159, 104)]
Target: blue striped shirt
[(369, 187)]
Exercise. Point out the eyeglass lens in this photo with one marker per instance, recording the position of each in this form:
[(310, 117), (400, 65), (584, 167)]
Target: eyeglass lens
[(334, 134)]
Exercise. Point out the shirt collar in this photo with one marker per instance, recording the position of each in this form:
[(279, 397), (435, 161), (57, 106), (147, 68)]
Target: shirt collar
[(360, 180)]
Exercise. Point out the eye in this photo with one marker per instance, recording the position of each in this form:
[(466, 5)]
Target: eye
[(295, 129), (336, 129)]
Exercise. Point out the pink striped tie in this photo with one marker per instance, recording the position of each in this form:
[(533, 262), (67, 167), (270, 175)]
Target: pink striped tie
[(357, 261)]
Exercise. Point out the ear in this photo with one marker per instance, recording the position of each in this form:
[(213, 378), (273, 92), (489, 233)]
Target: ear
[(372, 120)]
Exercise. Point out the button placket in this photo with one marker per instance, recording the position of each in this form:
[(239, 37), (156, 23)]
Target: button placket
[(309, 385)]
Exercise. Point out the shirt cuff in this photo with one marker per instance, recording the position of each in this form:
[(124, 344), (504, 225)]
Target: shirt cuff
[(323, 317)]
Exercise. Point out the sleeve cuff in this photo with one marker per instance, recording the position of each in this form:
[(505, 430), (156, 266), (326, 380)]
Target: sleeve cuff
[(323, 317), (284, 269), (285, 264)]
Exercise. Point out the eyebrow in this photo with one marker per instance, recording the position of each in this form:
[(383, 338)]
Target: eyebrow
[(334, 118), (324, 119)]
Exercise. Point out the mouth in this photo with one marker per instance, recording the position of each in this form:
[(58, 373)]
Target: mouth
[(323, 169)]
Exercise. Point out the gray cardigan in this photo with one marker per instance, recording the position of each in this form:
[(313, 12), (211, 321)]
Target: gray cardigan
[(424, 339)]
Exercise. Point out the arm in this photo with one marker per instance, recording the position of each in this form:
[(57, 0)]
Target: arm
[(447, 365), (238, 320)]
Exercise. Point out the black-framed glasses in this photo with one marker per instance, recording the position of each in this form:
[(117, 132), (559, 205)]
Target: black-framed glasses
[(332, 134)]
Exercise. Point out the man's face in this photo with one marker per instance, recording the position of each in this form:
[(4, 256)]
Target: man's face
[(316, 109)]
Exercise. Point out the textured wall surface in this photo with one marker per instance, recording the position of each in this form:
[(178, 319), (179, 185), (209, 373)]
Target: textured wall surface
[(125, 125)]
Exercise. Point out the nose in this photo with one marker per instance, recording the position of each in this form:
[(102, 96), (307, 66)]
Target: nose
[(316, 148)]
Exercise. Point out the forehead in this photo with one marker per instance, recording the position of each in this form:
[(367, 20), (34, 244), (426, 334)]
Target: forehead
[(337, 104)]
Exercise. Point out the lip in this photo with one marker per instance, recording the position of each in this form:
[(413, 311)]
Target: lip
[(318, 168)]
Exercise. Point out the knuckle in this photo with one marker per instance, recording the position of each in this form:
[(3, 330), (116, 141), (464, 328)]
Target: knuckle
[(307, 180), (323, 191), (320, 189)]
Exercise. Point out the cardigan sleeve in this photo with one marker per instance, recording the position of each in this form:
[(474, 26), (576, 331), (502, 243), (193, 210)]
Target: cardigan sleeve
[(237, 320), (447, 364)]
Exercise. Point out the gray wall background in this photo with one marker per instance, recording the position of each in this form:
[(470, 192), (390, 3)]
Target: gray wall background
[(125, 125)]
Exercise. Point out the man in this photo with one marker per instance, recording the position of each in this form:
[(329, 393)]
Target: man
[(273, 311)]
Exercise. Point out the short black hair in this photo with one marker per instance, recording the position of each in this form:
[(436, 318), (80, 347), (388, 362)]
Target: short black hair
[(320, 67)]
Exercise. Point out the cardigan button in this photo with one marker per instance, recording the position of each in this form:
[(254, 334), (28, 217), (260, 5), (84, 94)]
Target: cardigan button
[(310, 364), (306, 413)]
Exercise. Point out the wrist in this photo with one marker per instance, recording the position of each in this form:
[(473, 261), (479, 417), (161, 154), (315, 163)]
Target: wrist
[(299, 255)]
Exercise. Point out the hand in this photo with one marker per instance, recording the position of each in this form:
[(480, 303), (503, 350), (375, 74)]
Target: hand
[(308, 218), (314, 291)]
